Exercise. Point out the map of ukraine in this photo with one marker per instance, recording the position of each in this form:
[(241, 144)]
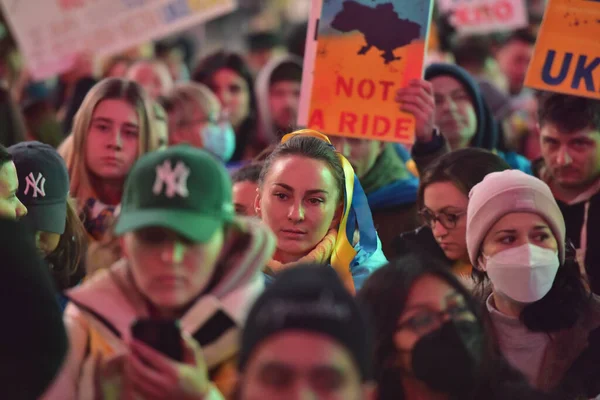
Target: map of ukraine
[(381, 26)]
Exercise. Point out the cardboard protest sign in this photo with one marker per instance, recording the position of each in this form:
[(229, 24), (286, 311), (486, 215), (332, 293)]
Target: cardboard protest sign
[(567, 51), (310, 53), (51, 32), (485, 16), (365, 51)]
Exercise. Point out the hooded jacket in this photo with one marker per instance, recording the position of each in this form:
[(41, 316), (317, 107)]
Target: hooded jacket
[(391, 190), (486, 134), (266, 128), (582, 219), (101, 311)]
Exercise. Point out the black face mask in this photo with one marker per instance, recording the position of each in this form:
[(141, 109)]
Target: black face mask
[(447, 359)]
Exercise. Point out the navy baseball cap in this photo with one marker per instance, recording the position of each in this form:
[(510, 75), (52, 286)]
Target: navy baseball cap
[(43, 185)]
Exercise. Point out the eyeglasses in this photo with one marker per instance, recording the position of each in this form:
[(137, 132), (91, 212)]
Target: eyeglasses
[(448, 220), (428, 320)]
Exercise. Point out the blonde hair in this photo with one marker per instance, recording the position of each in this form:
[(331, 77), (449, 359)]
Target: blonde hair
[(185, 98), (73, 148)]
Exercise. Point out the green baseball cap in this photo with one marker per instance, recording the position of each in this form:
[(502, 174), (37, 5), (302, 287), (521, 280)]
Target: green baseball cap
[(182, 188)]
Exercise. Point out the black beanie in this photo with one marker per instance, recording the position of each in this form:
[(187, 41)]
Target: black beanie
[(286, 71), (309, 298)]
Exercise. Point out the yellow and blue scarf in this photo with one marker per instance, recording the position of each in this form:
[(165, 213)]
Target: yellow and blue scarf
[(356, 216)]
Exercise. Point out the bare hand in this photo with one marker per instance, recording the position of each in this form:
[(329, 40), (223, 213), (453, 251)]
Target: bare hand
[(417, 99), (152, 375)]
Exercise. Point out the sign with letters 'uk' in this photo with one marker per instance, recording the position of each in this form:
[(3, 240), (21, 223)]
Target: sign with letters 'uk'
[(365, 51), (567, 51), (50, 33)]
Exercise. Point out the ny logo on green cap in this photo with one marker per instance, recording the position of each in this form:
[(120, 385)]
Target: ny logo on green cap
[(173, 181)]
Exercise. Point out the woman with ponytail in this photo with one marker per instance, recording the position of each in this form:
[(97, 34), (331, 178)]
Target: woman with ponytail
[(311, 199)]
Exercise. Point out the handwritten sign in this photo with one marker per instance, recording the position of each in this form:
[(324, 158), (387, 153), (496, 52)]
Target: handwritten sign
[(51, 32), (365, 51), (567, 51), (485, 16)]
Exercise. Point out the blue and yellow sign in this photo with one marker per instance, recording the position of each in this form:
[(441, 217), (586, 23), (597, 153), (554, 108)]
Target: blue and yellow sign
[(567, 51)]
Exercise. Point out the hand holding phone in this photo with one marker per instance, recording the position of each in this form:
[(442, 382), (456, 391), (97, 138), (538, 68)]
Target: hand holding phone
[(178, 372), (160, 334)]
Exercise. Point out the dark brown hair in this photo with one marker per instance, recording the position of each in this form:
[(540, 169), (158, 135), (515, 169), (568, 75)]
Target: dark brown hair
[(568, 113), (66, 261), (520, 35), (309, 147), (472, 51), (248, 173), (385, 294), (5, 156), (211, 64), (464, 168)]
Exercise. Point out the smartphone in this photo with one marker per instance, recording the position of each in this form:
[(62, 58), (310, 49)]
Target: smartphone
[(161, 334)]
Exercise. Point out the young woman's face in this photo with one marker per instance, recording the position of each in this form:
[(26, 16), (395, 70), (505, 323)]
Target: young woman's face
[(233, 93), (168, 269), (445, 202), (111, 146), (300, 201), (517, 229), (430, 303)]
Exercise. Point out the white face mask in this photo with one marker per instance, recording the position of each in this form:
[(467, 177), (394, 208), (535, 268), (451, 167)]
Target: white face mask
[(525, 273)]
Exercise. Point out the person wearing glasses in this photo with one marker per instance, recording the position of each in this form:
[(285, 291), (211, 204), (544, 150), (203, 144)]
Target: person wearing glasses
[(442, 199), (430, 341)]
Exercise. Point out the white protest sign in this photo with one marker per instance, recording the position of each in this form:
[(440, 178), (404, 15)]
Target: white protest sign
[(51, 32), (485, 16)]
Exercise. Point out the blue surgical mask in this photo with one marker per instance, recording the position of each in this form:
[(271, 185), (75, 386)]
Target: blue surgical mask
[(219, 139)]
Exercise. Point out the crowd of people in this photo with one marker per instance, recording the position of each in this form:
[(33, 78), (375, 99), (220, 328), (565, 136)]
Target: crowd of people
[(268, 261)]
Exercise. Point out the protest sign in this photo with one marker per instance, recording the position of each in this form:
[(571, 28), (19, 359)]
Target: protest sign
[(485, 16), (365, 51), (567, 51), (308, 69), (51, 32)]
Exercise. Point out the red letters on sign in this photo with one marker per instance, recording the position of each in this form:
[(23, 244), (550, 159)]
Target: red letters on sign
[(365, 88), (66, 5), (402, 129), (499, 11), (347, 122), (316, 120), (366, 125)]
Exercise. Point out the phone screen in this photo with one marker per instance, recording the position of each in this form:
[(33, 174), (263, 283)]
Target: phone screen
[(162, 335)]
